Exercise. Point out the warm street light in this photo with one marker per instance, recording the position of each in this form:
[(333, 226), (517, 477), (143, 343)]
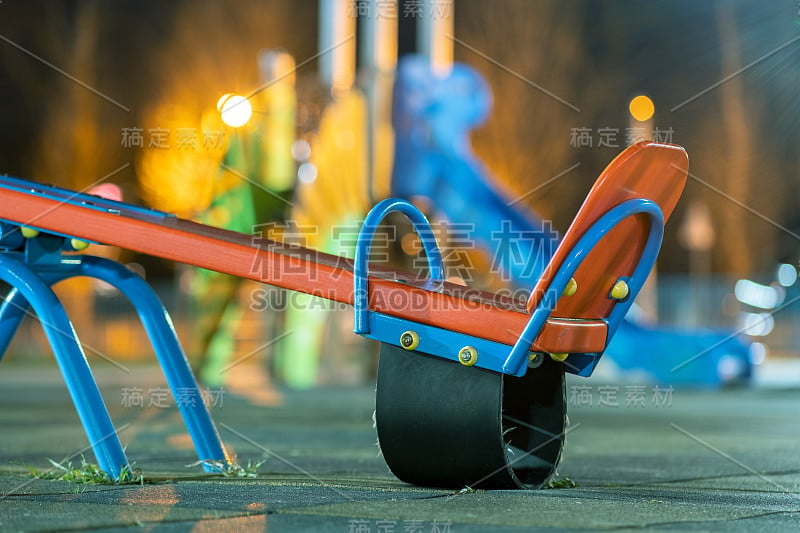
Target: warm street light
[(234, 109), (641, 108)]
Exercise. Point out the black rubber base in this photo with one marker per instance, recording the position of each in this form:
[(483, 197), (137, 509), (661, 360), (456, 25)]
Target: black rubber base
[(442, 424)]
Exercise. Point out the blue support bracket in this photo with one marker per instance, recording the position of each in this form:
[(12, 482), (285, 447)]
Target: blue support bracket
[(512, 360), (364, 243), (518, 356), (436, 341), (31, 267)]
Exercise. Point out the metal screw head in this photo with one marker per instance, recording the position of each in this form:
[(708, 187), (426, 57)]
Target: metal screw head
[(468, 356), (571, 288), (409, 340), (620, 290), (535, 360), (78, 244), (28, 233)]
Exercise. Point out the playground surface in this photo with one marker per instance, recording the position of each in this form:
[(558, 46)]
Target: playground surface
[(641, 457)]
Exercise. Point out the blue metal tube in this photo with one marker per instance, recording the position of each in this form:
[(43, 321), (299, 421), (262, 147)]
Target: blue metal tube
[(361, 268), (519, 353), (12, 311), (72, 362), (158, 325)]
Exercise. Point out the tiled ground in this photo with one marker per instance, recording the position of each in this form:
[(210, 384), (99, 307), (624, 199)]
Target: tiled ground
[(688, 460)]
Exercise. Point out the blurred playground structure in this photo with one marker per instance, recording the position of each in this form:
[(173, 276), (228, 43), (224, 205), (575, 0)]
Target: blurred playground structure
[(308, 178)]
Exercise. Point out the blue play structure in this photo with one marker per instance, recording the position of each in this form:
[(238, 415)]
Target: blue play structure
[(432, 119), (31, 262)]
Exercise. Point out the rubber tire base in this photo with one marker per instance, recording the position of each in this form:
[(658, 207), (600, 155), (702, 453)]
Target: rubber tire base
[(442, 424)]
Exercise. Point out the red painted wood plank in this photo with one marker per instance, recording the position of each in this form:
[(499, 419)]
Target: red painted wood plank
[(456, 308), (648, 170)]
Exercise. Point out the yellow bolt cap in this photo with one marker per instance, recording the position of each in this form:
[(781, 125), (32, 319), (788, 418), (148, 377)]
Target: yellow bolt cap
[(468, 356), (620, 290), (409, 340), (571, 288), (28, 233), (78, 244), (561, 357)]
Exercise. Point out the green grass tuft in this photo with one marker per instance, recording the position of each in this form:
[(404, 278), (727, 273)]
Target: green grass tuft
[(562, 483), (232, 470), (86, 472)]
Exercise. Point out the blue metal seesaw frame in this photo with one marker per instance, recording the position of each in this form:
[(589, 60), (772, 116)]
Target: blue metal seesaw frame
[(512, 360), (31, 266)]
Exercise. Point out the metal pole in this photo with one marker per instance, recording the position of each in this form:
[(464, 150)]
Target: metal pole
[(377, 64), (337, 44), (435, 35)]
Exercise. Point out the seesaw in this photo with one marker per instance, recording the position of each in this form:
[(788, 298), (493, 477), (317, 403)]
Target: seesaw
[(470, 384), (433, 118)]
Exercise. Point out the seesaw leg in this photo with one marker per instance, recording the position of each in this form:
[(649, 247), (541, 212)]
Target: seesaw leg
[(12, 311), (72, 362), (158, 326), (442, 424)]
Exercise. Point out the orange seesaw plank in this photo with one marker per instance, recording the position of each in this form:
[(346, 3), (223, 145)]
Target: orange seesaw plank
[(453, 307)]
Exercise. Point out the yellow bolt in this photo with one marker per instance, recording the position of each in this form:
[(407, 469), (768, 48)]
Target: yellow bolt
[(78, 244), (468, 356), (28, 233), (561, 357), (571, 288), (535, 360), (409, 340), (620, 290)]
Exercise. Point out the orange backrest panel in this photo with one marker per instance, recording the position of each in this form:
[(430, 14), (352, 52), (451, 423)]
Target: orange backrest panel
[(646, 170)]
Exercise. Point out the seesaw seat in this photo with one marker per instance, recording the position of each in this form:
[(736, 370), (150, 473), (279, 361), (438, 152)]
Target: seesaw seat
[(445, 424)]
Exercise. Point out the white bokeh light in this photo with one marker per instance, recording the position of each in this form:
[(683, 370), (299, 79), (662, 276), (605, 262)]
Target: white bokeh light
[(787, 275), (307, 173), (234, 109)]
